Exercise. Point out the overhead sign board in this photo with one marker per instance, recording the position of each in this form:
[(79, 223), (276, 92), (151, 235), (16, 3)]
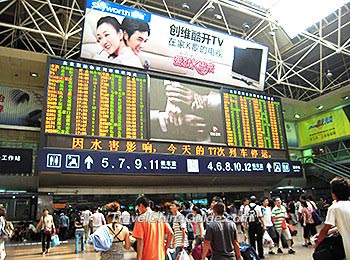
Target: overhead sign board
[(82, 161)]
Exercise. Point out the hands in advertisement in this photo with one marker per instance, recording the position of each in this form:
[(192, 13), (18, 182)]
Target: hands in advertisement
[(184, 97)]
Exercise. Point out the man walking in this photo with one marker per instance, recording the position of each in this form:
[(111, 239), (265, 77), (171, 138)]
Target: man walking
[(221, 236), (151, 231), (63, 225), (179, 226), (85, 216), (256, 225), (97, 219), (279, 215)]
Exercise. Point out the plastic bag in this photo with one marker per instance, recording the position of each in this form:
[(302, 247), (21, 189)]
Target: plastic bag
[(267, 239), (55, 241), (183, 256)]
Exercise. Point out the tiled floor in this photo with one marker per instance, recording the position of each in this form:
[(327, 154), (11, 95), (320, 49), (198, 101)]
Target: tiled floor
[(66, 251)]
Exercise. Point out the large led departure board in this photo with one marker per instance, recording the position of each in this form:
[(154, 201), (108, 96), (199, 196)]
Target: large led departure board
[(253, 120), (95, 100), (110, 109)]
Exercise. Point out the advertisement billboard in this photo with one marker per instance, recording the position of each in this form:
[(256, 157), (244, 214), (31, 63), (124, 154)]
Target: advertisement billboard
[(126, 36), (185, 112), (325, 127), (20, 106)]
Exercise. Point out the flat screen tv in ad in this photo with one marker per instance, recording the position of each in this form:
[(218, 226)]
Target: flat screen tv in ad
[(246, 65), (169, 46)]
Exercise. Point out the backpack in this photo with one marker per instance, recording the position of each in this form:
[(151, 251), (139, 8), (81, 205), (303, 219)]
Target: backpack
[(252, 215), (190, 231), (101, 239)]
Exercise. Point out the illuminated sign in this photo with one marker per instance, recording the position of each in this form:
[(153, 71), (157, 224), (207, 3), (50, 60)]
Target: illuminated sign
[(20, 106), (170, 46), (253, 120), (100, 108), (93, 100), (78, 161), (324, 127)]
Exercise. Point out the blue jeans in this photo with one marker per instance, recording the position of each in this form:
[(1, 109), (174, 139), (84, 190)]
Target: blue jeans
[(79, 235)]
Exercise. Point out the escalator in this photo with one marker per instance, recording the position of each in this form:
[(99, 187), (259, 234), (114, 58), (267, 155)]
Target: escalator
[(325, 169)]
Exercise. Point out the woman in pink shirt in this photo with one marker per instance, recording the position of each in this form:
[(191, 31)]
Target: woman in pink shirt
[(308, 223)]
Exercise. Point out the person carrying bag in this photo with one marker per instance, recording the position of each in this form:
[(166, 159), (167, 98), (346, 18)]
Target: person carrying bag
[(47, 229)]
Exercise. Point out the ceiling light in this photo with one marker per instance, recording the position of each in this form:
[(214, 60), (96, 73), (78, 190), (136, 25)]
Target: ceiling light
[(246, 26), (34, 74), (320, 107), (346, 97), (274, 28), (185, 6), (329, 74), (210, 6), (297, 116), (217, 16)]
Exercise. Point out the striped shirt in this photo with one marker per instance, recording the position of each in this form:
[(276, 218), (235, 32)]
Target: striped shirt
[(179, 224), (277, 212)]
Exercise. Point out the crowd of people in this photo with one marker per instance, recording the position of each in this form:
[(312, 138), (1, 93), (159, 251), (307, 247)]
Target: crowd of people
[(172, 228)]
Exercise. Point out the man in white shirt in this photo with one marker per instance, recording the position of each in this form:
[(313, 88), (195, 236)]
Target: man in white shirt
[(97, 219), (125, 217), (256, 225), (85, 216), (338, 213), (267, 214)]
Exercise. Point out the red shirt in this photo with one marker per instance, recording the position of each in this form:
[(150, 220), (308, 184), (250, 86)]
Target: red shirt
[(152, 229)]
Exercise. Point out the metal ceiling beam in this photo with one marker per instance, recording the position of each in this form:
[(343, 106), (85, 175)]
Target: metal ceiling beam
[(283, 74)]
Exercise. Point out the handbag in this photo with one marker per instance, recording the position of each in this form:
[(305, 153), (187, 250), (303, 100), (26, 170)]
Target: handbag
[(317, 218), (197, 252), (284, 224), (292, 230), (330, 248), (267, 238), (47, 230)]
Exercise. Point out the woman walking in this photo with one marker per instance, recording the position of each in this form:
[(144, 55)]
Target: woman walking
[(47, 229), (121, 233)]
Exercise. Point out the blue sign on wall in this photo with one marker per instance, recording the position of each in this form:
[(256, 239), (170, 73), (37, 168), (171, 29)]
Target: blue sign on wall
[(85, 161)]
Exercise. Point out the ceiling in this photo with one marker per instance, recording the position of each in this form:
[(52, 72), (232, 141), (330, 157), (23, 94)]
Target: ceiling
[(297, 68)]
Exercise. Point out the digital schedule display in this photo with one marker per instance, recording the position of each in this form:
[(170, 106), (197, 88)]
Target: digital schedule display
[(253, 120), (95, 100), (108, 109)]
